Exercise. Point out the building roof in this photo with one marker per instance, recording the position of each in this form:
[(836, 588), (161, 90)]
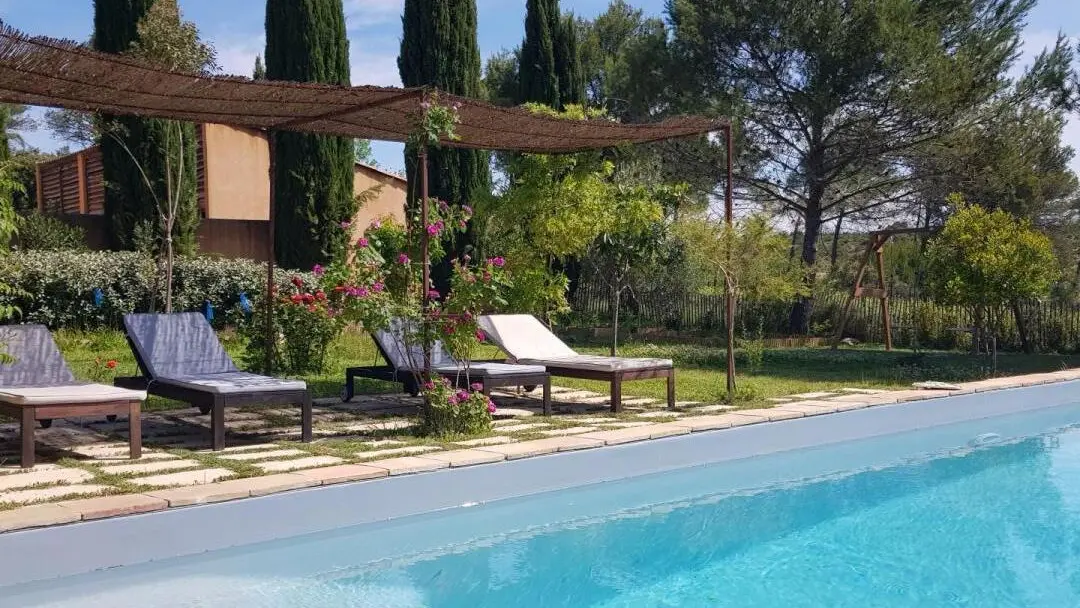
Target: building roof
[(382, 171), (49, 72)]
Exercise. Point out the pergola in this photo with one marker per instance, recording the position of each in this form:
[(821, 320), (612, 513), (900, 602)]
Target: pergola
[(48, 72)]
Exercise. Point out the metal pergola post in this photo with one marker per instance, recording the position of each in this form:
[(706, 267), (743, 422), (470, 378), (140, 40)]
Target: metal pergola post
[(729, 289)]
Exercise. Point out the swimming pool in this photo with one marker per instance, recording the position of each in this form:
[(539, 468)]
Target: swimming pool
[(983, 512)]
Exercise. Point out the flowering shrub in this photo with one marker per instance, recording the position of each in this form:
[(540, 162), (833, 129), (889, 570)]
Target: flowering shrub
[(453, 411), (102, 372)]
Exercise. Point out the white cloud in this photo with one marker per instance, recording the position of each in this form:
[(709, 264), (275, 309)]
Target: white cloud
[(365, 13), (373, 67), (237, 56)]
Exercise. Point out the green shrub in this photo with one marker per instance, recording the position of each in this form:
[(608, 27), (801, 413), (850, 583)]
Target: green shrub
[(39, 232), (59, 286)]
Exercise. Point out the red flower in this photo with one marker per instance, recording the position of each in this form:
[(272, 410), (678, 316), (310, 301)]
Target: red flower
[(308, 298), (480, 335), (339, 289), (296, 298), (296, 280), (311, 308), (111, 364), (320, 295)]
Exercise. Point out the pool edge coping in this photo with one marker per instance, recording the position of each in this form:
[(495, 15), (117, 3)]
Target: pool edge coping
[(66, 512)]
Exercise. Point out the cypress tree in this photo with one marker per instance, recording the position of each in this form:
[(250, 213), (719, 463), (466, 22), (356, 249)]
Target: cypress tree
[(539, 82), (259, 72), (568, 63), (153, 143), (439, 48), (305, 42)]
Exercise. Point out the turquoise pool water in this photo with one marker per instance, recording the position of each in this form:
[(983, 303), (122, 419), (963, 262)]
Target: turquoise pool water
[(990, 521)]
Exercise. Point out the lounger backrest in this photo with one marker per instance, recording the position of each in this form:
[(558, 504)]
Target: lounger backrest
[(32, 358), (177, 345), (407, 356), (524, 337)]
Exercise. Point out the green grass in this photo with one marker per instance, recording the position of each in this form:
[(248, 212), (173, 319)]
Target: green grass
[(699, 377)]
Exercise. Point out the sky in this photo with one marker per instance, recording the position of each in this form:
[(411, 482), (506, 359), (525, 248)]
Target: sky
[(235, 27)]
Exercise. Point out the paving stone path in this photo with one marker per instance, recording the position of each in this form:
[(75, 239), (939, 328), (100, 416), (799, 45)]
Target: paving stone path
[(85, 472)]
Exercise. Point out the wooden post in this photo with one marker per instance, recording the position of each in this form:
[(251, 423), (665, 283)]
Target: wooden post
[(40, 193), (729, 289), (887, 322), (272, 148), (80, 168), (425, 254)]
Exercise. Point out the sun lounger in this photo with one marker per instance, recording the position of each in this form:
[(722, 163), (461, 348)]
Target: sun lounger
[(404, 363), (181, 358), (527, 341), (37, 386)]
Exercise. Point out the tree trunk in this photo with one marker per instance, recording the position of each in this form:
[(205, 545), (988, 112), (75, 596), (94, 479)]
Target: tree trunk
[(794, 238), (834, 253), (799, 321), (1021, 328)]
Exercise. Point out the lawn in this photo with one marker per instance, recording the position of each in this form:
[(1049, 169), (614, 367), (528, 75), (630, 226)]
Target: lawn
[(700, 376)]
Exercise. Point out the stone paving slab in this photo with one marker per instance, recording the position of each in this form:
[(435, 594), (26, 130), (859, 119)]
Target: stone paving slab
[(628, 425), (231, 490), (517, 428), (411, 450), (262, 454), (539, 447), (709, 423), (53, 493), (574, 430), (277, 466), (629, 435), (817, 395), (36, 516), (496, 440), (660, 414), (156, 466), (186, 478), (406, 465), (342, 473), (466, 458), (711, 409), (864, 391), (111, 506), (774, 414), (57, 475)]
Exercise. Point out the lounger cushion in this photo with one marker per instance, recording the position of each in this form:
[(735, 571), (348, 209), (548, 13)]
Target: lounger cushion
[(70, 394), (524, 337), (602, 364), (404, 356), (177, 344), (234, 382), (34, 359), (492, 370)]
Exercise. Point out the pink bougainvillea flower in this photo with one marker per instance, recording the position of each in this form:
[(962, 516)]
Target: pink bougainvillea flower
[(443, 206), (480, 335), (429, 385), (403, 259), (318, 270), (498, 261), (466, 209), (376, 224), (491, 407), (432, 229), (362, 243), (378, 287), (433, 294), (345, 225)]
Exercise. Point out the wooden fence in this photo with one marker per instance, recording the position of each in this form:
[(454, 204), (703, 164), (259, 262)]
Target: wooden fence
[(916, 322)]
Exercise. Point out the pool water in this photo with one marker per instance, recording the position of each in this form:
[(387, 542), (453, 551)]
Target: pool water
[(992, 521)]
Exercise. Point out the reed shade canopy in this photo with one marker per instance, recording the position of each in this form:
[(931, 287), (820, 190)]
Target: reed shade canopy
[(43, 71), (48, 72)]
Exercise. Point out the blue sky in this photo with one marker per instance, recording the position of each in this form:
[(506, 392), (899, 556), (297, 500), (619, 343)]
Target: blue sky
[(236, 29)]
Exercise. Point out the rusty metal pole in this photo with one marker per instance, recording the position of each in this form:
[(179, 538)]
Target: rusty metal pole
[(729, 289), (886, 321), (270, 342), (425, 254)]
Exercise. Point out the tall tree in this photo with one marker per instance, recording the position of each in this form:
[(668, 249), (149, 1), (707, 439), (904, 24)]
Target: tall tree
[(833, 93), (538, 80), (306, 42), (259, 71), (439, 48), (137, 154), (568, 63)]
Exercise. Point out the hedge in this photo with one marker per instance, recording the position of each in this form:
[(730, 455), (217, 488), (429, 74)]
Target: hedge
[(92, 290)]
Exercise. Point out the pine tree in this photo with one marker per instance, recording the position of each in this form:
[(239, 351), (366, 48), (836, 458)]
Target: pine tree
[(129, 206), (259, 73), (439, 48), (538, 79), (568, 63), (306, 42)]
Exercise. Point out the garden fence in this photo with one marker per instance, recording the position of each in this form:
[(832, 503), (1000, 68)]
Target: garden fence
[(916, 321)]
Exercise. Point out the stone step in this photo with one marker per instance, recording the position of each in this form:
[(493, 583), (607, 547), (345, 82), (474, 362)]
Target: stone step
[(185, 478)]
